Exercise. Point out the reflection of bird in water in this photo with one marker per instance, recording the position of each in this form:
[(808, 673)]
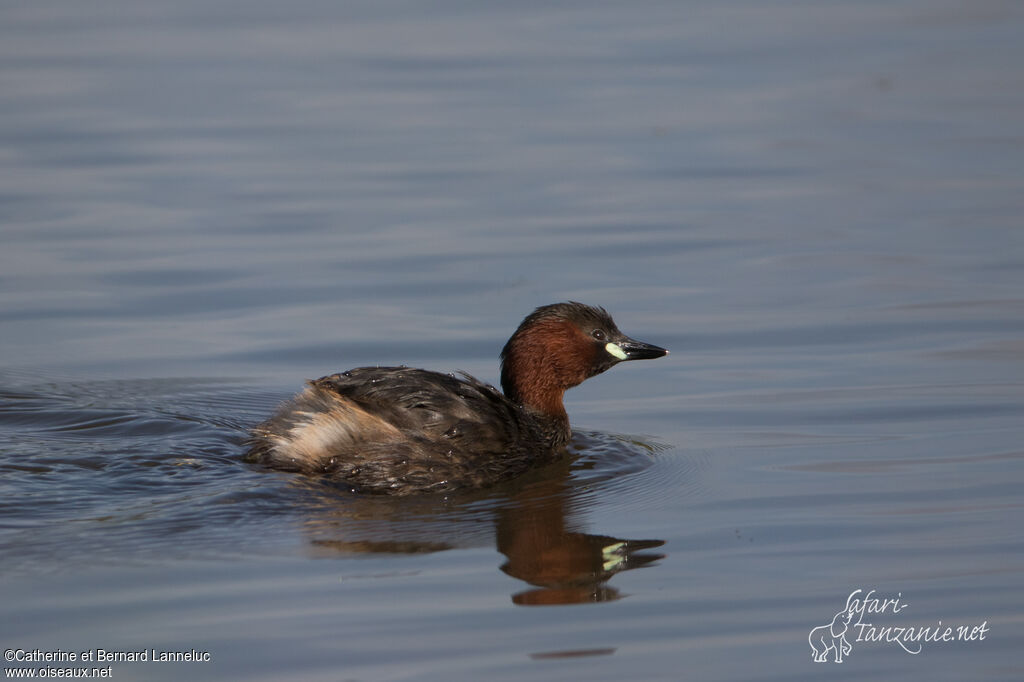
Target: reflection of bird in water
[(578, 570), (568, 567), (529, 518)]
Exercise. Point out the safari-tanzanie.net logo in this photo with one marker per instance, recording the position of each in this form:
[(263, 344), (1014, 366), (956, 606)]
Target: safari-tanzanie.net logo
[(866, 618)]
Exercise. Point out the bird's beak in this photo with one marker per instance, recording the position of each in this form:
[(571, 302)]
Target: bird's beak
[(629, 349)]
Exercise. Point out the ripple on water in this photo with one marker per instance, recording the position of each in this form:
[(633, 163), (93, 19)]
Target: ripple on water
[(144, 470), (620, 471)]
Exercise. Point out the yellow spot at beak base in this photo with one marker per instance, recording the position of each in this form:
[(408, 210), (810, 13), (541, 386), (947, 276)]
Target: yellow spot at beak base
[(613, 349)]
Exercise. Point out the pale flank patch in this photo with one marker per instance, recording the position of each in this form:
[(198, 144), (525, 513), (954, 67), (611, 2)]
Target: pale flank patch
[(321, 434), (615, 350)]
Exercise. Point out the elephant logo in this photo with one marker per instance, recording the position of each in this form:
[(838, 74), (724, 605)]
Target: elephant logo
[(832, 637)]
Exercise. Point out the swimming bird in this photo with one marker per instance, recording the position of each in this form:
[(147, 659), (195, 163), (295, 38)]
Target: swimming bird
[(398, 430)]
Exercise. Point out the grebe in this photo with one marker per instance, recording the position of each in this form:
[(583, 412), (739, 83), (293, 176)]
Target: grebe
[(398, 430)]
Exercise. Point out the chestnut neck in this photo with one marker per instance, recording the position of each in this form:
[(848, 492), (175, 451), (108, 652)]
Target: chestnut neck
[(540, 362)]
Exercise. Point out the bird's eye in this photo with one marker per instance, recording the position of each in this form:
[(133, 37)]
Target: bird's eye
[(598, 334)]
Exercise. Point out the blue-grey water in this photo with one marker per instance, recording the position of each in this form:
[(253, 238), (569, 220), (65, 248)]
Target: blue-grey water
[(818, 207)]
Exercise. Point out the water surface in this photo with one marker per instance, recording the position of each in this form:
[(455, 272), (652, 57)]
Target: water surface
[(816, 208)]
